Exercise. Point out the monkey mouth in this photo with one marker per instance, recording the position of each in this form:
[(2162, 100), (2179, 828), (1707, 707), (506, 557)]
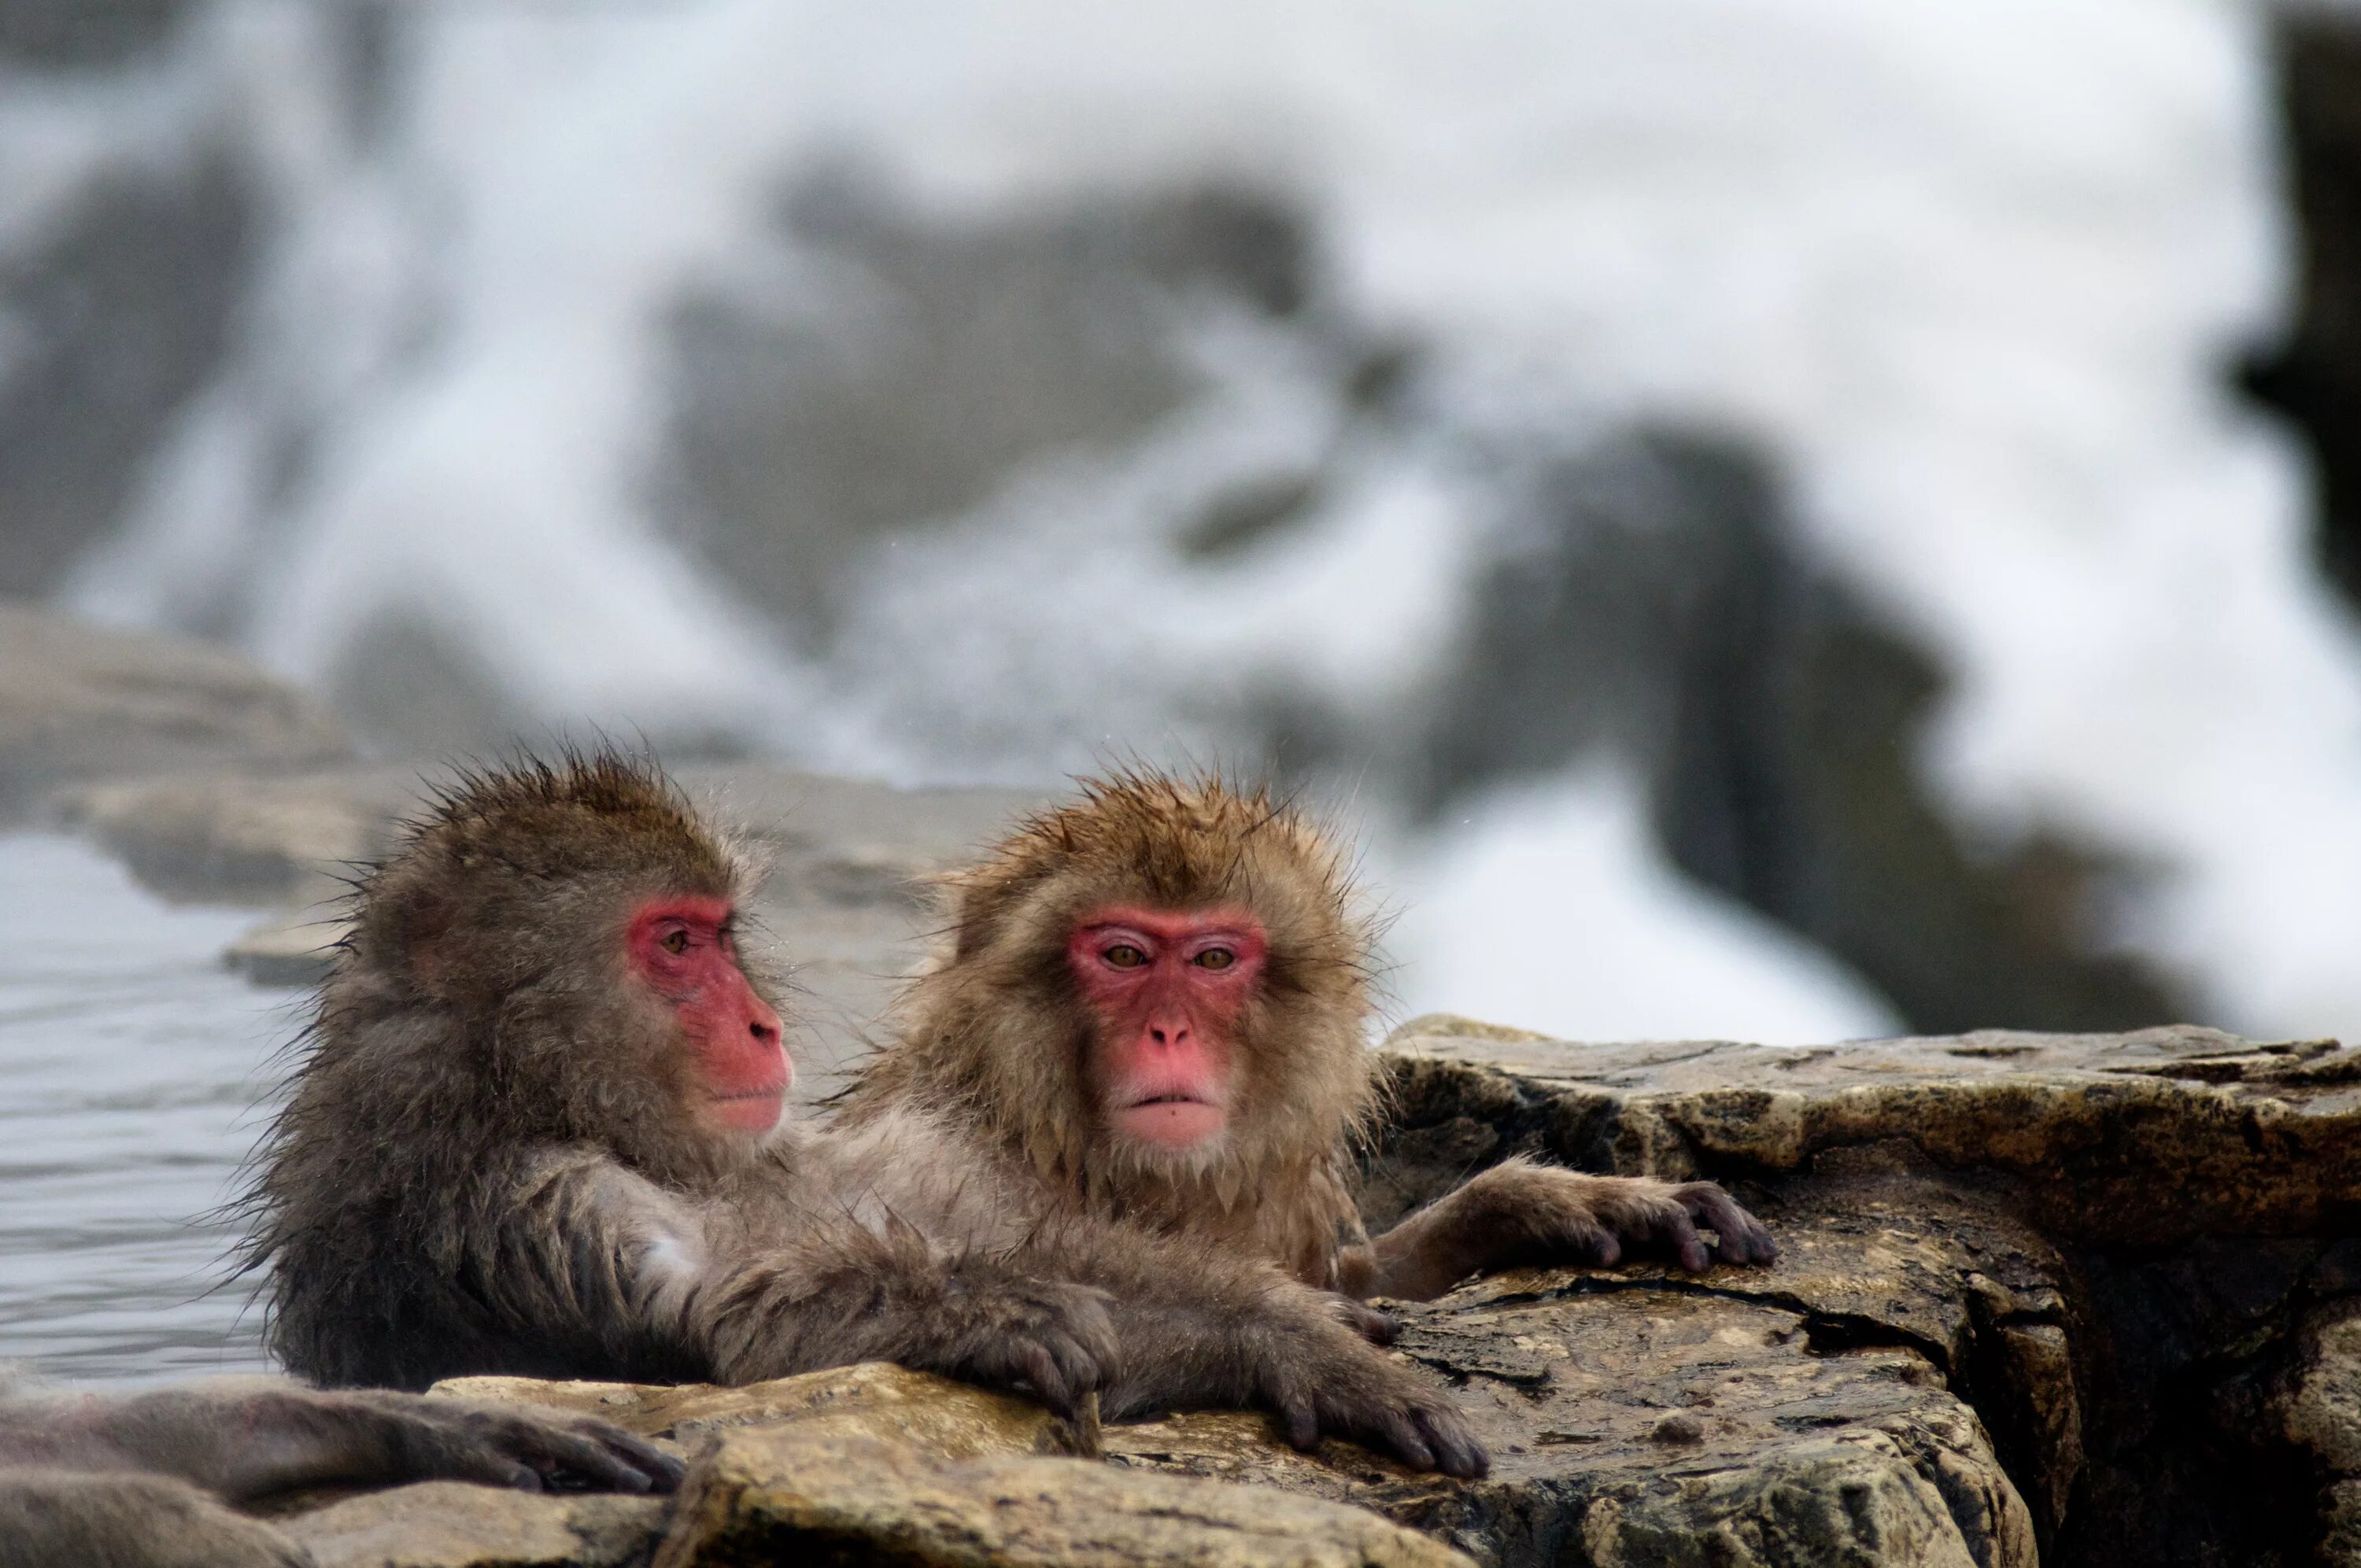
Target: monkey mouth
[(1174, 1121), (751, 1110)]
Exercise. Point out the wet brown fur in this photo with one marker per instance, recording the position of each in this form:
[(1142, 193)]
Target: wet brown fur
[(472, 1007), (993, 1033)]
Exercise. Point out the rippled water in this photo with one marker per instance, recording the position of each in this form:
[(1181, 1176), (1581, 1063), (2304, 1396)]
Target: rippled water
[(131, 1066)]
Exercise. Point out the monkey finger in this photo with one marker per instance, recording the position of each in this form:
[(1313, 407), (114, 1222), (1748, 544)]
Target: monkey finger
[(1394, 1431), (1363, 1320), (1300, 1414), (662, 1470), (1049, 1385), (622, 1468), (1583, 1238), (1744, 1238), (1458, 1451), (465, 1458), (1084, 1367), (581, 1456), (1687, 1245), (584, 1450)]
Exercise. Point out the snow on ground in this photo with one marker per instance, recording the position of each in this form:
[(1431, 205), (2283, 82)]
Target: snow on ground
[(1550, 909)]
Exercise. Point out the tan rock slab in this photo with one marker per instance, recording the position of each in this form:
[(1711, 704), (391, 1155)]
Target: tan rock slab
[(80, 702), (793, 1494), (450, 1524)]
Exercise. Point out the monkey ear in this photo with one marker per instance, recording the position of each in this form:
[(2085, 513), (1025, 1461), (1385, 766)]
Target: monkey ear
[(966, 900), (424, 942)]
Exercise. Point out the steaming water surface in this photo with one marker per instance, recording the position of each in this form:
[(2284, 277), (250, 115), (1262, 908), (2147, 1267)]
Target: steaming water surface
[(131, 1067)]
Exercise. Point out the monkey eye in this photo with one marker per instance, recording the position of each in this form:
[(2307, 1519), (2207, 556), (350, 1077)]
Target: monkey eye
[(1214, 958), (674, 942), (1122, 955)]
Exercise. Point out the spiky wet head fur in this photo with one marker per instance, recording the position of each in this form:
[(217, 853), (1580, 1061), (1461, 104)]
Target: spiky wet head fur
[(485, 961), (995, 1032), (478, 1008)]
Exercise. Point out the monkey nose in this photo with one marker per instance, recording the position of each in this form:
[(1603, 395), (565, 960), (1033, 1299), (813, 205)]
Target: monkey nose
[(1169, 1034)]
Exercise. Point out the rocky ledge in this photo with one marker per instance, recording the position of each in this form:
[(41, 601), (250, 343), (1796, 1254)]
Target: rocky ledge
[(2079, 1299)]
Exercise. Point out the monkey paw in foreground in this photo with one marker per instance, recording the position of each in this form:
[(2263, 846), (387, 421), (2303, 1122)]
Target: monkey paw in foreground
[(1522, 1213), (133, 1480), (499, 1445), (248, 1437)]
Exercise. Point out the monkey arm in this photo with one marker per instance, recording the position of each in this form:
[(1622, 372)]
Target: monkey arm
[(248, 1437), (54, 1516), (767, 1281), (1519, 1211), (841, 1293)]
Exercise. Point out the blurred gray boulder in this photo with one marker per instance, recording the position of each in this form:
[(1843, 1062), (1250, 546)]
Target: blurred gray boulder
[(79, 33), (80, 703), (120, 310), (890, 370)]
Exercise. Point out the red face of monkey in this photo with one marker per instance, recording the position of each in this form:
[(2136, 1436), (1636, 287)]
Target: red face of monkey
[(686, 949), (1166, 990)]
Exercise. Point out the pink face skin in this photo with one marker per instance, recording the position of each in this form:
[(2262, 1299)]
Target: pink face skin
[(685, 948), (1168, 988)]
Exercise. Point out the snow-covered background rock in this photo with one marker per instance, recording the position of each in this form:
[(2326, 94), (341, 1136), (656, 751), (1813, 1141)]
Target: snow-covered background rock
[(1745, 506)]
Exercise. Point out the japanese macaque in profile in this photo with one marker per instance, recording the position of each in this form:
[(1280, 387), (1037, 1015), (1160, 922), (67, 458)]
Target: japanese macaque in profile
[(1155, 1000)]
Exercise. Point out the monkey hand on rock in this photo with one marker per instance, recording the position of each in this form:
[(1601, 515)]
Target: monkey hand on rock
[(974, 1318), (243, 1438), (417, 1438), (133, 1480), (1519, 1211), (1002, 1329), (1329, 1381)]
